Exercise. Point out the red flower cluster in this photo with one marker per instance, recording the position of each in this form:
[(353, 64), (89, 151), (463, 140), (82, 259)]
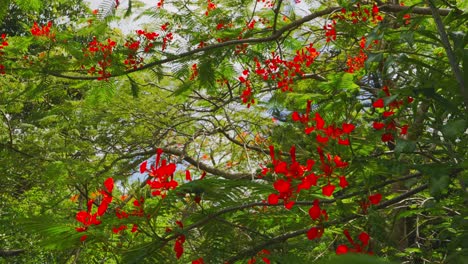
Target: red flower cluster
[(390, 109), (87, 218), (372, 200), (163, 175), (43, 31), (323, 133), (210, 7), (406, 17), (284, 71), (316, 213), (194, 72), (363, 14), (357, 248), (179, 243), (103, 52), (279, 70), (246, 95), (357, 62), (330, 31)]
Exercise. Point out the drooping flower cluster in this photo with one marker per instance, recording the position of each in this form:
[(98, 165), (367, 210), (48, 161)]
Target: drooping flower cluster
[(88, 218), (102, 52), (390, 106), (323, 133), (179, 242), (162, 175), (42, 31), (283, 72)]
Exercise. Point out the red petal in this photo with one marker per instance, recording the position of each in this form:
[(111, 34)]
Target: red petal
[(379, 103), (387, 137), (282, 186), (343, 182), (341, 249), (83, 238), (312, 233), (109, 184), (289, 205), (273, 198), (187, 175), (375, 199), (378, 125), (319, 120), (293, 153), (343, 142), (328, 190), (364, 237), (315, 211), (321, 139), (388, 113), (308, 130), (347, 128), (295, 116), (143, 166)]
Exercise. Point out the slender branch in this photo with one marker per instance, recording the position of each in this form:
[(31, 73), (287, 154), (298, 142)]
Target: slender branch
[(11, 252), (414, 10), (284, 237), (448, 49)]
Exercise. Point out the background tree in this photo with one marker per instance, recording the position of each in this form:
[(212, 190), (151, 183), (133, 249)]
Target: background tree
[(238, 93)]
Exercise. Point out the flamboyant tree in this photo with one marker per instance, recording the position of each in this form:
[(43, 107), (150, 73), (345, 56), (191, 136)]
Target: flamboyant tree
[(235, 132)]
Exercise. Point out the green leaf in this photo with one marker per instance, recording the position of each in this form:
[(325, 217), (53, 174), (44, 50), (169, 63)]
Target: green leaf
[(29, 5), (454, 129), (3, 9), (404, 146)]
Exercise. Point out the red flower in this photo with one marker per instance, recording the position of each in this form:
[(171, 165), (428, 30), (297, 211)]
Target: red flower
[(343, 142), (315, 210), (404, 130), (83, 238), (282, 186), (321, 139), (341, 249), (388, 113), (314, 233), (273, 198), (295, 116), (387, 137), (364, 237), (187, 175), (347, 128), (375, 199), (178, 246), (343, 182), (378, 125), (328, 190), (109, 184), (379, 103), (339, 163)]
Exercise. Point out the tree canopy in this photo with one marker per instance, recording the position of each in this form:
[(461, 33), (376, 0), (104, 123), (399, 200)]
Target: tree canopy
[(233, 131)]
